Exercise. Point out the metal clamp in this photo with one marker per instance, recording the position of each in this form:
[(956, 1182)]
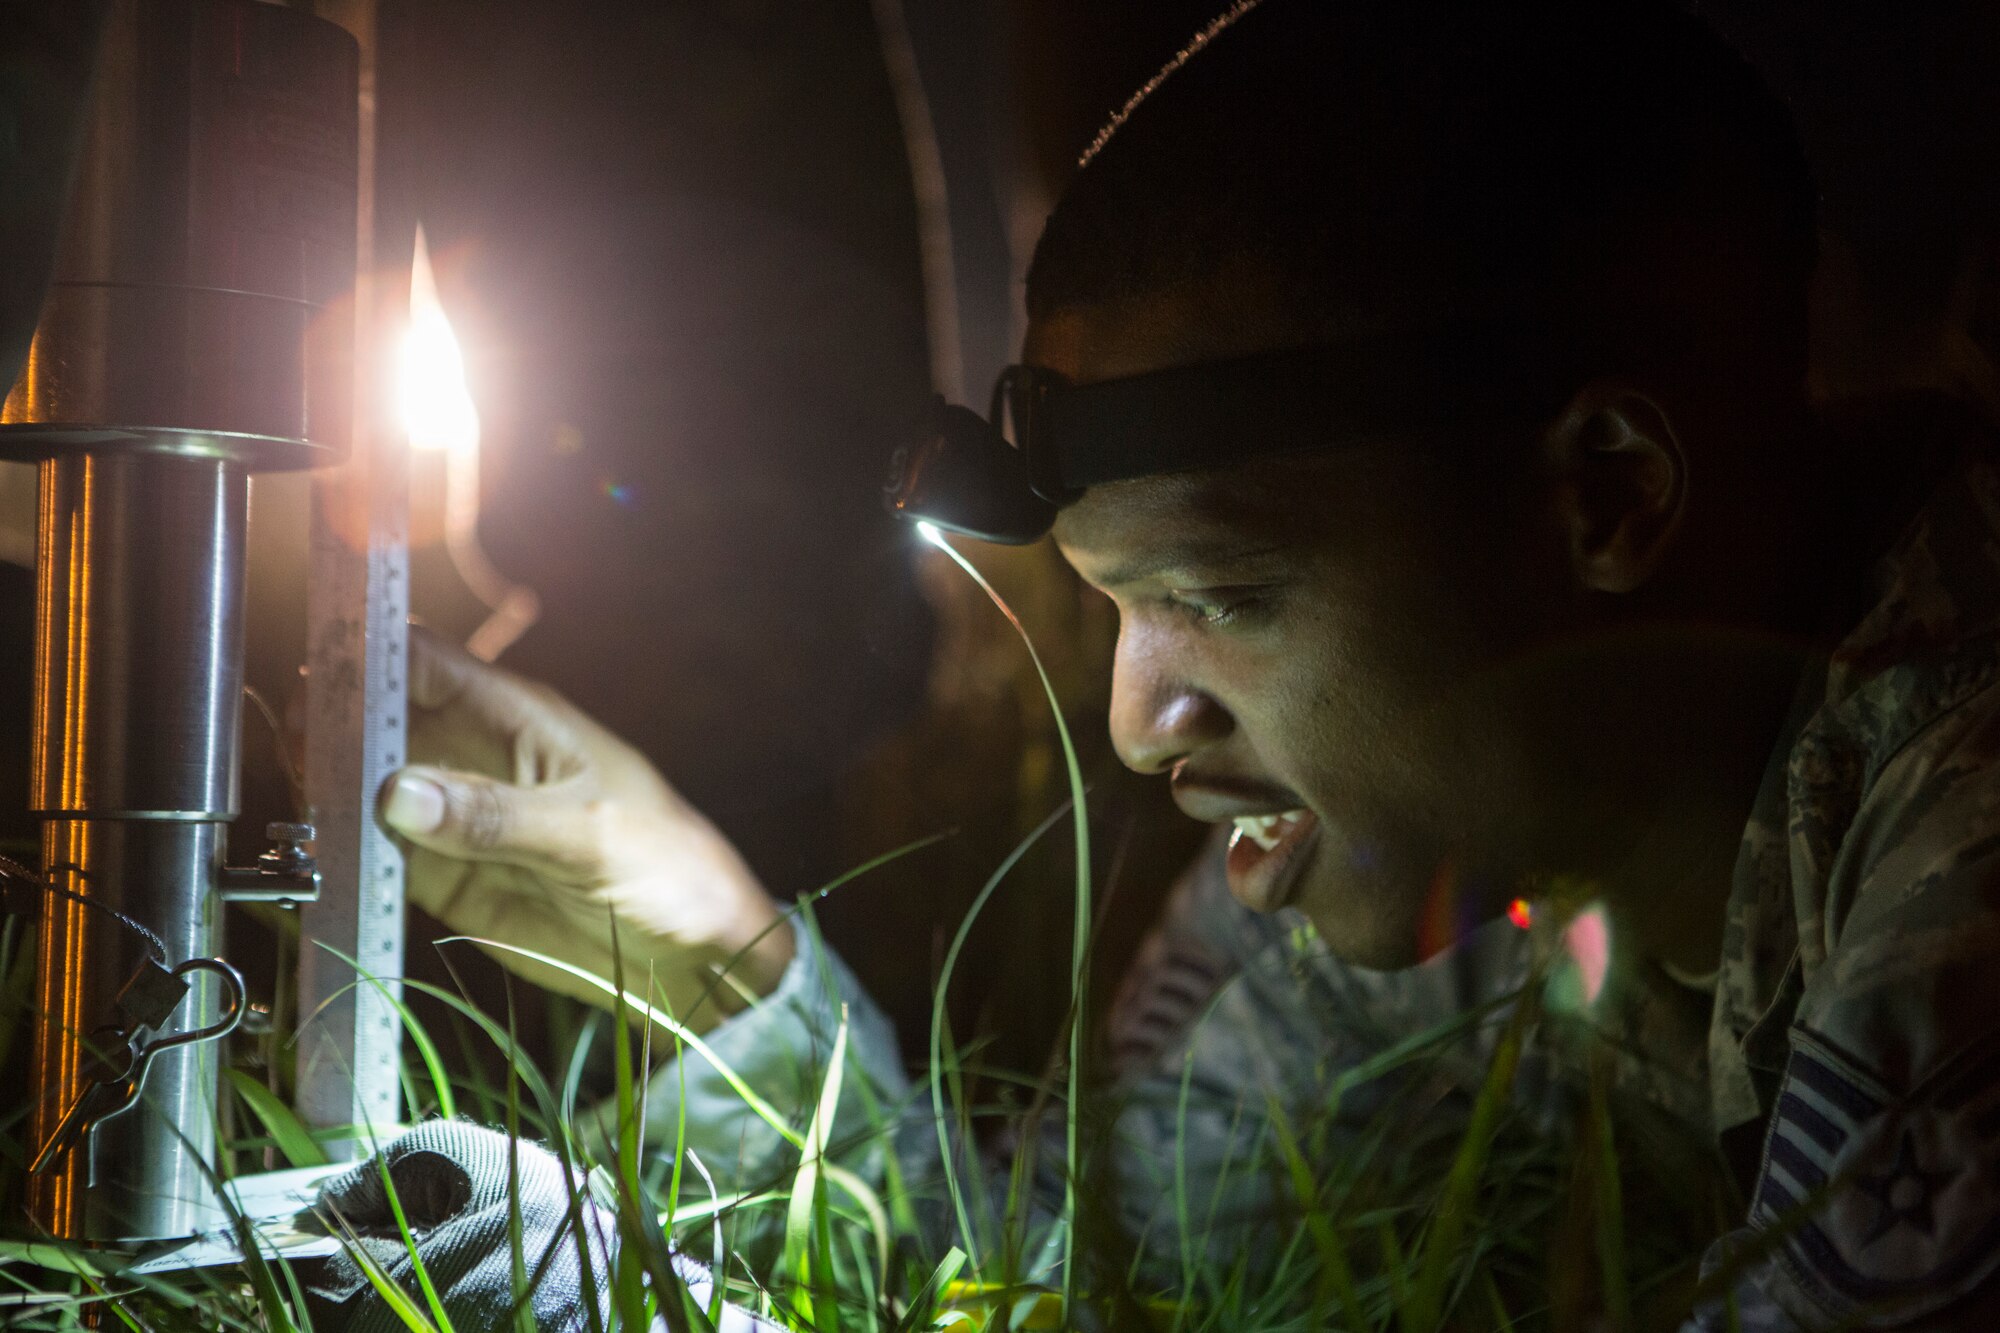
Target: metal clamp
[(285, 874)]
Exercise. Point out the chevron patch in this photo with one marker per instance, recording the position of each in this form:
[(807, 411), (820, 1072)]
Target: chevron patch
[(1892, 1204)]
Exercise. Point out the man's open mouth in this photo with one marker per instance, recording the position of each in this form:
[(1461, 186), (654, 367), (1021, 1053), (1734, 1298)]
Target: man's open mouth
[(1267, 855)]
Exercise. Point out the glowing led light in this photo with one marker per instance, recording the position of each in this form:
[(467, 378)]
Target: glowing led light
[(437, 406), (929, 532), (1521, 912)]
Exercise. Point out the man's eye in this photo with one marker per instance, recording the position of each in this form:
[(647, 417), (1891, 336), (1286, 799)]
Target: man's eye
[(1216, 607)]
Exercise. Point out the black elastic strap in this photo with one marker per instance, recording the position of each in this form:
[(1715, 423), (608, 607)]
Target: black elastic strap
[(1219, 413)]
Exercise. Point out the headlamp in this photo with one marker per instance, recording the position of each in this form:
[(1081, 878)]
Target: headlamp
[(1003, 478)]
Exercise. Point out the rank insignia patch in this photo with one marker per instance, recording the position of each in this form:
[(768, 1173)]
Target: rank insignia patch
[(1891, 1204)]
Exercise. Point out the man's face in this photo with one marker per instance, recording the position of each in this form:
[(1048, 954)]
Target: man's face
[(1326, 650)]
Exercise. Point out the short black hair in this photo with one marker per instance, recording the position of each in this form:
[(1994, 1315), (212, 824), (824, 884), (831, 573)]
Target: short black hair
[(1587, 186)]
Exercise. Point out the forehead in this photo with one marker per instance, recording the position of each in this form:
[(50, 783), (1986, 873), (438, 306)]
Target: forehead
[(1152, 524), (1123, 531)]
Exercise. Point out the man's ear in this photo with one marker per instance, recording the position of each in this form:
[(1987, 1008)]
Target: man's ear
[(1621, 484)]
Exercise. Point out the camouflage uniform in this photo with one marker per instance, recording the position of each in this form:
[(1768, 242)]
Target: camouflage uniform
[(1226, 1016), (1853, 1013), (1854, 1010)]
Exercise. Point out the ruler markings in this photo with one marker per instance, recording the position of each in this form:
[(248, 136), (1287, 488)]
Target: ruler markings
[(350, 1070)]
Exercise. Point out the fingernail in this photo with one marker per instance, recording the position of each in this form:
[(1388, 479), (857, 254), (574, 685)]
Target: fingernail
[(414, 805)]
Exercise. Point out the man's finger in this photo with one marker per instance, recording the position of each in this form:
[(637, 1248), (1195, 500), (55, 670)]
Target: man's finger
[(445, 676), (475, 818), (464, 743)]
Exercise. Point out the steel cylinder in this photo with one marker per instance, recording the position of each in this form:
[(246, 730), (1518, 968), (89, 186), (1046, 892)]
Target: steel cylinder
[(139, 667), (138, 685), (199, 300)]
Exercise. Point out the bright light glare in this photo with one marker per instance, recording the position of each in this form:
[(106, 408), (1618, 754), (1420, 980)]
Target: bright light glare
[(437, 406), (929, 532), (1588, 940)]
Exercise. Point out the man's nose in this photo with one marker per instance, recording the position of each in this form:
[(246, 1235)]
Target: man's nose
[(1158, 716)]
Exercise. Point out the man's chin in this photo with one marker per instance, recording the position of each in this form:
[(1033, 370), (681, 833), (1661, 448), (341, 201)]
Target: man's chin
[(1377, 919)]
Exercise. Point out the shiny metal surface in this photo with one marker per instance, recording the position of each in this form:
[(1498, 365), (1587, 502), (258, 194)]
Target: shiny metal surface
[(139, 663), (200, 302), (140, 1177), (138, 688)]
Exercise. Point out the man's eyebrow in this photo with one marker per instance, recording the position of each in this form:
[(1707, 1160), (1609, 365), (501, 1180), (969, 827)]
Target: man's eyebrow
[(1182, 553)]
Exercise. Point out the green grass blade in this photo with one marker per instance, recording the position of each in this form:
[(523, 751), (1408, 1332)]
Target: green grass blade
[(419, 1036), (763, 1109), (871, 1208), (1496, 1307), (808, 1196), (579, 1058), (399, 1301), (294, 1140), (1610, 1211), (531, 1077), (1425, 1311), (441, 1320), (804, 902), (263, 1286), (947, 1150), (1080, 928), (1336, 1274), (923, 1309), (524, 1315), (628, 1275)]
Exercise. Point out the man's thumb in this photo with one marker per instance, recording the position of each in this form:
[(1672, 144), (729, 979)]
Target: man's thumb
[(414, 805), (479, 819)]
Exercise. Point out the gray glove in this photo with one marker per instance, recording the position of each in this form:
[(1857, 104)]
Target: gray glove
[(451, 1179)]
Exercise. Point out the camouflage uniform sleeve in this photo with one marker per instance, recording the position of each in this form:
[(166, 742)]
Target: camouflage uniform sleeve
[(778, 1052), (1878, 1199)]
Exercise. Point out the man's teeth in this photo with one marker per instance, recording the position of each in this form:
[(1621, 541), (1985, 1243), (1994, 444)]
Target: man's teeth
[(1267, 831)]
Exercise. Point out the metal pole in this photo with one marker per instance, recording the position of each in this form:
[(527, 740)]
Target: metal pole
[(137, 675)]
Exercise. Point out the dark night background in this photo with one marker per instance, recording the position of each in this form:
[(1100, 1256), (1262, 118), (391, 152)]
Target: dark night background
[(681, 245)]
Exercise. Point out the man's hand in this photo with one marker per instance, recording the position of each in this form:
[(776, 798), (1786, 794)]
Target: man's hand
[(531, 825)]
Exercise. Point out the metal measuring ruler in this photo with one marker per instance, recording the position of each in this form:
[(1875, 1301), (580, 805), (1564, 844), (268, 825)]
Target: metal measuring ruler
[(357, 656), (358, 608)]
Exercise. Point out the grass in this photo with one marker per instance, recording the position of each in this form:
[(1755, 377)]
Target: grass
[(1403, 1201), (1415, 1218)]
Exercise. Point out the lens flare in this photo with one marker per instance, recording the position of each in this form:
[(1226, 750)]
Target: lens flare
[(440, 420), (436, 403), (929, 532), (1588, 942), (1437, 928)]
